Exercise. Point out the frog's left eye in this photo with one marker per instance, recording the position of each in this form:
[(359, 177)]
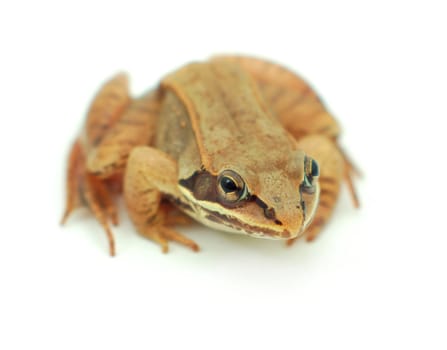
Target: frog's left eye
[(231, 187), (311, 171), (314, 168)]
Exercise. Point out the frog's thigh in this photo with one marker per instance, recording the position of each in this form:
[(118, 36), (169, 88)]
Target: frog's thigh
[(135, 127), (149, 174), (107, 107), (331, 165), (84, 188)]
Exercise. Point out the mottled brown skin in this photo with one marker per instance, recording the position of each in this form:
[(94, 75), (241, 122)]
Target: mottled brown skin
[(303, 115), (228, 126), (119, 130)]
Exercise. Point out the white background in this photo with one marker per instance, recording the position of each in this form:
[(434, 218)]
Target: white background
[(374, 279)]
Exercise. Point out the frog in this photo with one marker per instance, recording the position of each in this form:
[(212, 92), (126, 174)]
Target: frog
[(237, 143)]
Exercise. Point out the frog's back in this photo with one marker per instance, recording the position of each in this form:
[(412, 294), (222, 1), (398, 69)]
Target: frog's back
[(227, 117)]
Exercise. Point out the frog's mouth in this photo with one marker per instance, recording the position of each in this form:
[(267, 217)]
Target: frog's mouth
[(232, 224)]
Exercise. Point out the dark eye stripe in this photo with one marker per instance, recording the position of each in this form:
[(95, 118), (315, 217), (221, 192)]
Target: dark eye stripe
[(202, 185)]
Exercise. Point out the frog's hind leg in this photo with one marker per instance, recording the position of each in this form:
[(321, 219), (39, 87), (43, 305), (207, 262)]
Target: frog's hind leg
[(75, 172), (332, 172), (114, 125), (84, 189), (150, 173)]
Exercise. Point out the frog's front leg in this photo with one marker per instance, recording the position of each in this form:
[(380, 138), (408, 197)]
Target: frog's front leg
[(332, 172), (149, 175)]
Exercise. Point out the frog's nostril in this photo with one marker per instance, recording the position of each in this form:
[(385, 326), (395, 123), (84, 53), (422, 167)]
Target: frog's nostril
[(269, 213)]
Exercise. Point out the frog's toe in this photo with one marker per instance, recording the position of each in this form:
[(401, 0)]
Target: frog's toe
[(176, 236), (162, 235)]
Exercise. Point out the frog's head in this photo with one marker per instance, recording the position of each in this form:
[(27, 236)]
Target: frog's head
[(271, 200)]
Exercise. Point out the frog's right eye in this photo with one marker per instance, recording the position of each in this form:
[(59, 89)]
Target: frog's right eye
[(231, 187)]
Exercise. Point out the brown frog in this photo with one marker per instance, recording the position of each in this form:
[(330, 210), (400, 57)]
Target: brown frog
[(237, 143)]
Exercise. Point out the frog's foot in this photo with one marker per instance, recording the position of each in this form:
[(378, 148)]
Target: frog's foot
[(150, 173), (84, 189), (159, 228), (162, 234)]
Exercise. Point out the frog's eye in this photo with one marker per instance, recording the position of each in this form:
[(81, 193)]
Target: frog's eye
[(311, 171), (231, 187), (314, 169)]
